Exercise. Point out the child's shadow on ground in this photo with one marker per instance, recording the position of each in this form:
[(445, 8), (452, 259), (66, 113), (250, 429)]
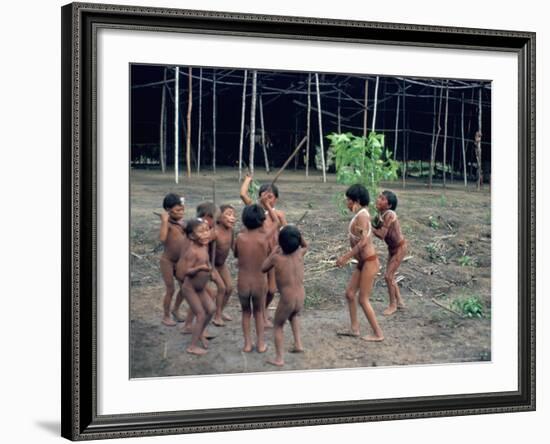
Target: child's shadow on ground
[(53, 427)]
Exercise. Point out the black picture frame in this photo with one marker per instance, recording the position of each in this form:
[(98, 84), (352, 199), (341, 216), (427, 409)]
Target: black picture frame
[(79, 208)]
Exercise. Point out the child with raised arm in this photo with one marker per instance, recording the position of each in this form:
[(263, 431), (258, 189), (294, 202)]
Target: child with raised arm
[(251, 249), (362, 249), (389, 230), (173, 237), (194, 270), (225, 241), (270, 194), (288, 262)]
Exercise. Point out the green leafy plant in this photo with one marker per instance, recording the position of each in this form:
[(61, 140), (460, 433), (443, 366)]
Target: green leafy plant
[(434, 223), (253, 188), (471, 307), (466, 261), (362, 160), (442, 200)]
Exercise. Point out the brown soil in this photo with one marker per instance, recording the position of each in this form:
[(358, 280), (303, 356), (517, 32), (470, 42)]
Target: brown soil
[(449, 234)]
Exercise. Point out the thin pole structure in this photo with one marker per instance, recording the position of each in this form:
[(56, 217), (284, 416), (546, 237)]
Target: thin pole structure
[(365, 109), (404, 139), (252, 122), (453, 152), (189, 109), (199, 145), (375, 103), (263, 134), (241, 140), (478, 144), (176, 124), (434, 148), (463, 145), (396, 132), (445, 140), (308, 121), (320, 128), (214, 122), (339, 113), (295, 140), (162, 118)]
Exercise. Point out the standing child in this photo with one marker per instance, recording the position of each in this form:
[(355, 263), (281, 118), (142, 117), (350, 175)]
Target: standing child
[(362, 249), (225, 240), (288, 262), (251, 249), (194, 270), (389, 230), (172, 235), (268, 193)]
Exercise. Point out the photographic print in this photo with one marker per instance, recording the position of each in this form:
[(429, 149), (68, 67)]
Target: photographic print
[(290, 220)]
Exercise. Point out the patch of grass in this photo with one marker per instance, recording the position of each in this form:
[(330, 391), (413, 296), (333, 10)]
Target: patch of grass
[(442, 200), (433, 222), (434, 252), (313, 299), (471, 307), (467, 261)]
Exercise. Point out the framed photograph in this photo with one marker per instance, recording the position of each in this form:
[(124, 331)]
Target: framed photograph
[(373, 184)]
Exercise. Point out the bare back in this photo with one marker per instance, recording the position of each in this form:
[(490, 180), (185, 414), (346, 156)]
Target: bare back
[(251, 249), (224, 243), (289, 274)]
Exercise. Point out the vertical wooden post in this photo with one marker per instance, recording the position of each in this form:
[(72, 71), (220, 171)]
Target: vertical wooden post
[(375, 104), (321, 128), (162, 118), (453, 135), (176, 124), (397, 132), (263, 134), (445, 139), (308, 121), (339, 112), (241, 139), (430, 172), (463, 145), (404, 138), (477, 141), (189, 109), (366, 106), (199, 135), (214, 111), (253, 123), (296, 140)]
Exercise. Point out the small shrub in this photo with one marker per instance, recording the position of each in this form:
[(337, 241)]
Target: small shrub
[(466, 261), (434, 223), (471, 307)]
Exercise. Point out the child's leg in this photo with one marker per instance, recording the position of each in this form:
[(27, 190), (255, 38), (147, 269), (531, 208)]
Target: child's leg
[(209, 308), (167, 272), (258, 308), (246, 308), (295, 324), (351, 290), (220, 295), (196, 305), (394, 260), (281, 315), (368, 274), (271, 290), (176, 307), (226, 276)]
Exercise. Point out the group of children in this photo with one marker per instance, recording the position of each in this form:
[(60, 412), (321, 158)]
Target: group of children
[(270, 257)]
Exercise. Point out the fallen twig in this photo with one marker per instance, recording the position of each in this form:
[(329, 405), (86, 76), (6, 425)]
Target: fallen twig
[(439, 304)]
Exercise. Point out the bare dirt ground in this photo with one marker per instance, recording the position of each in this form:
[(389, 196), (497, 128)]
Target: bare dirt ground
[(449, 234)]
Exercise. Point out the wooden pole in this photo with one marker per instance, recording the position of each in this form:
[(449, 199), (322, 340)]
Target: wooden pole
[(395, 139), (375, 104), (199, 144), (320, 128), (263, 134), (365, 109), (434, 152), (241, 139), (308, 121), (295, 140), (404, 138), (478, 145), (176, 124), (463, 145), (339, 114), (445, 139), (453, 131), (189, 109), (214, 122), (162, 118), (287, 161), (252, 123), (430, 172)]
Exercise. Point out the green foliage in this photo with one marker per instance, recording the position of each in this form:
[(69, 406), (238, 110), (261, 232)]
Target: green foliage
[(466, 261), (253, 189), (471, 307), (434, 223), (361, 160), (442, 200), (312, 299), (339, 200)]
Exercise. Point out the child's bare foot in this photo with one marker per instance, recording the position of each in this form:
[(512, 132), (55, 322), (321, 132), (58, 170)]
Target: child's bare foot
[(186, 329), (276, 362), (218, 322), (226, 317), (296, 349), (247, 348), (401, 305), (261, 348), (390, 310), (372, 338), (204, 342), (169, 322), (350, 333), (177, 317), (194, 350)]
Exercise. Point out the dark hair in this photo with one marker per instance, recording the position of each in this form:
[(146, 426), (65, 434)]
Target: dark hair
[(290, 238), (253, 216), (192, 224), (358, 193), (269, 187), (391, 198), (171, 200), (206, 209), (224, 207)]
